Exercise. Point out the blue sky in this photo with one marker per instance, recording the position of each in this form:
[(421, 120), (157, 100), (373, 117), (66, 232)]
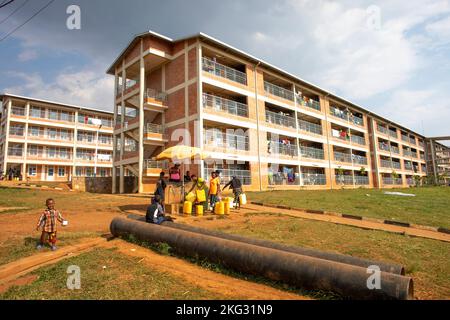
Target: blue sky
[(391, 56)]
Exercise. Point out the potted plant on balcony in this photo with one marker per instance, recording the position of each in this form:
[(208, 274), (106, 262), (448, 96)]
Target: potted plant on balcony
[(340, 175), (395, 176), (417, 180)]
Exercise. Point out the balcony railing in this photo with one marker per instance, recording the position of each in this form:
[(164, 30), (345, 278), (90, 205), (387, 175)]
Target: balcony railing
[(392, 181), (342, 157), (226, 175), (344, 179), (359, 159), (396, 165), (17, 111), (414, 154), (361, 180), (17, 131), (382, 129), (358, 121), (153, 164), (281, 120), (283, 149), (406, 153), (15, 152), (155, 94), (278, 91), (422, 156), (311, 153), (395, 150), (410, 181), (310, 103), (48, 155), (310, 127), (405, 138), (227, 141), (421, 144), (358, 140), (314, 179), (385, 163), (383, 146), (225, 105), (408, 166), (393, 134), (280, 179), (412, 140), (155, 128), (223, 71), (339, 113)]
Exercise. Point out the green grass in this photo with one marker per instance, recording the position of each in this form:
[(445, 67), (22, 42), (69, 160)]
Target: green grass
[(17, 248), (430, 207), (427, 261), (123, 278)]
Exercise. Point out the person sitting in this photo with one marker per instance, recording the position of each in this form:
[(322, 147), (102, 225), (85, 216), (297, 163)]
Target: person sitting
[(155, 212), (175, 174)]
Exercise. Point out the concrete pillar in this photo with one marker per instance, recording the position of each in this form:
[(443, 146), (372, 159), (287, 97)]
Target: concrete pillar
[(8, 116), (141, 120), (122, 180), (116, 110)]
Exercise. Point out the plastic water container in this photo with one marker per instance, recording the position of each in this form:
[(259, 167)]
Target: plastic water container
[(199, 210), (220, 208), (227, 207), (187, 208), (243, 199)]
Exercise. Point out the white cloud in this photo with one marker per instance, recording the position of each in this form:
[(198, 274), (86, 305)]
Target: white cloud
[(86, 88), (440, 29), (27, 55)]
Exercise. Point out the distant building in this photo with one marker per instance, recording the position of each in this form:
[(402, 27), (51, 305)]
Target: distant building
[(49, 141)]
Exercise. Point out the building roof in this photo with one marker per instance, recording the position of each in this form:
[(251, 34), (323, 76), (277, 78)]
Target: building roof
[(4, 95), (257, 61)]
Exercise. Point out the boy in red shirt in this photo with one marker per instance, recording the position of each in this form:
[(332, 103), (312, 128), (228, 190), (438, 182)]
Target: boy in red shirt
[(48, 222)]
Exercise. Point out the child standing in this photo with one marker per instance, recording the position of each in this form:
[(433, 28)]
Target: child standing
[(48, 222)]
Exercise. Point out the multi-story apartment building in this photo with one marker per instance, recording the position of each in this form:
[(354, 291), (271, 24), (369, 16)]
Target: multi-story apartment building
[(49, 141), (258, 122), (438, 160)]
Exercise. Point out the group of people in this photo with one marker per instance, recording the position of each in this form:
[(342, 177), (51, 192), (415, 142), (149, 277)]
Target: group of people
[(206, 196), (11, 174)]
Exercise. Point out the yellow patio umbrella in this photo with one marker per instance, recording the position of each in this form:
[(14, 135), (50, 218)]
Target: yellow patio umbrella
[(182, 153)]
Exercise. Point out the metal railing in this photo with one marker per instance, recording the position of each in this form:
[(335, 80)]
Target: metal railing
[(336, 112), (395, 150), (228, 141), (314, 179), (412, 140), (396, 165), (383, 146), (278, 91), (385, 163), (414, 154), (361, 180), (392, 181), (223, 71), (311, 153), (344, 179), (358, 140), (410, 181), (405, 138), (281, 179), (421, 144), (283, 149), (155, 94), (155, 128), (285, 121), (393, 134), (15, 152), (226, 175), (225, 105), (313, 104), (381, 129), (342, 157), (17, 131), (359, 159), (18, 111), (42, 134), (358, 121), (408, 166), (58, 155), (422, 156), (406, 153), (153, 164), (310, 127)]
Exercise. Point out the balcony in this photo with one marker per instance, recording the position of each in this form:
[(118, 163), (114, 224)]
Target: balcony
[(392, 181), (342, 157), (361, 180), (49, 155), (281, 120), (408, 166), (312, 153), (222, 71), (412, 140), (224, 105), (382, 129), (314, 179), (226, 174), (18, 111), (383, 146), (385, 163), (414, 154), (393, 134), (405, 138), (358, 120), (227, 141), (395, 150), (15, 152), (153, 164), (338, 113), (280, 179), (344, 179), (422, 156), (309, 103), (17, 132), (278, 91), (396, 165), (407, 153), (310, 127), (154, 128), (358, 140), (282, 149), (358, 159)]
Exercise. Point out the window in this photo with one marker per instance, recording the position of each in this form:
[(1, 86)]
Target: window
[(36, 112), (102, 172), (51, 152), (63, 154), (51, 171), (34, 131), (51, 133), (32, 171), (89, 172), (79, 172), (32, 150), (64, 135), (61, 172), (65, 116)]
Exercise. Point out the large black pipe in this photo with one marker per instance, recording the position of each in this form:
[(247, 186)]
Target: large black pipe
[(302, 271), (365, 263)]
